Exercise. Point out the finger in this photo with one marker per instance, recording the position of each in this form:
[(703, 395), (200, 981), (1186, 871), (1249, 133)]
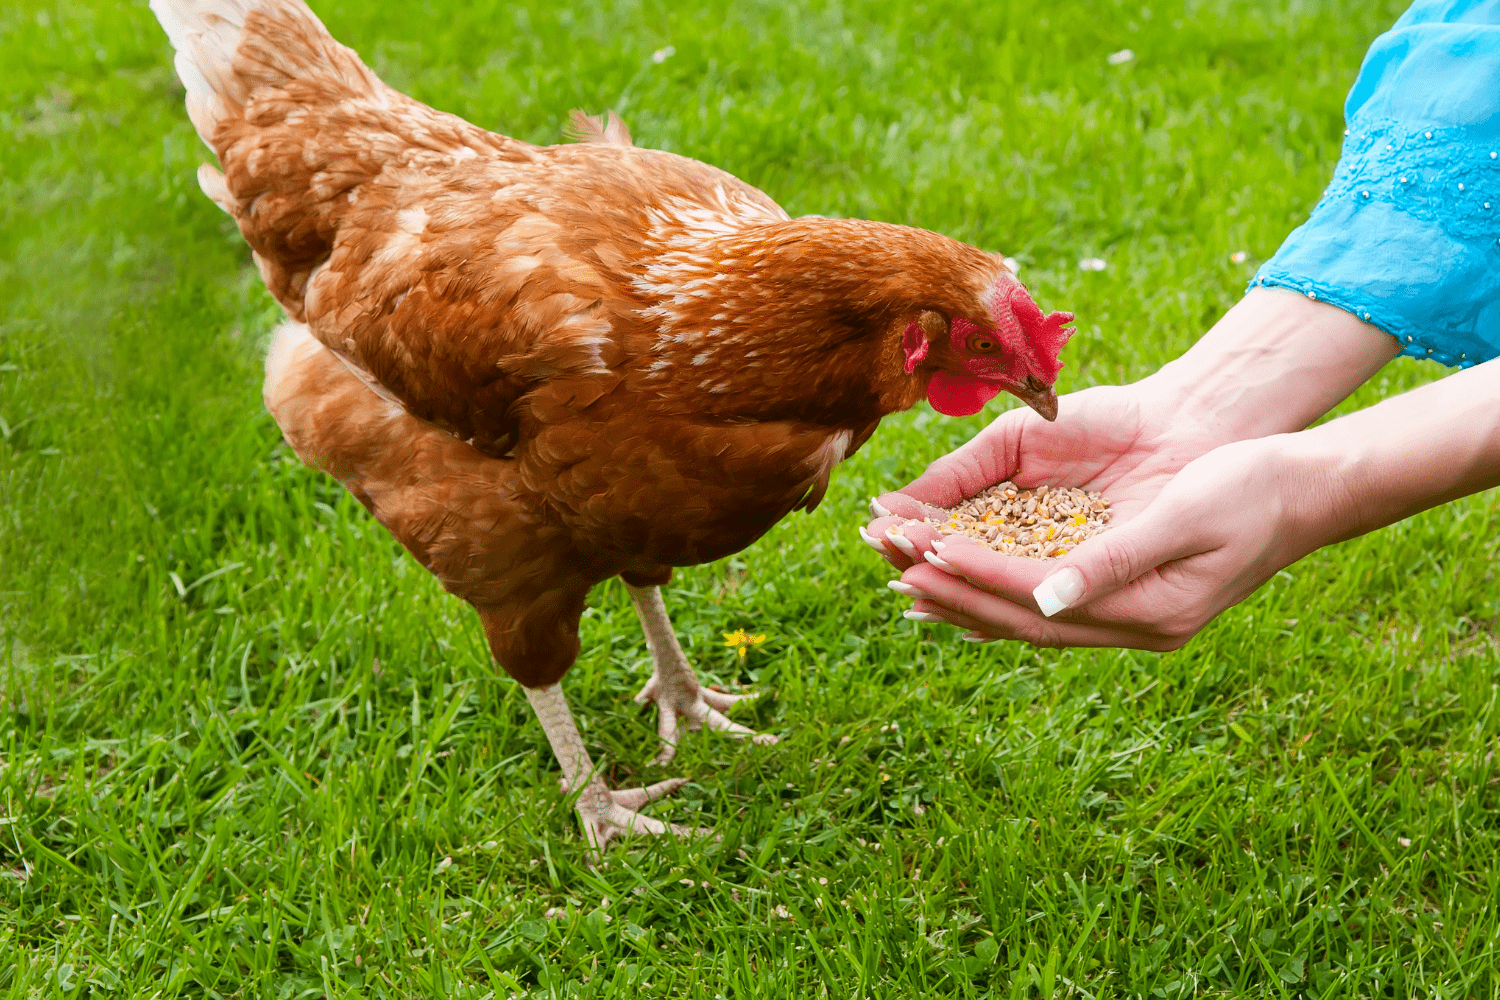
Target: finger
[(874, 539), (1012, 578), (956, 603), (1113, 559), (901, 542), (881, 535), (920, 536), (1149, 613), (1095, 569), (903, 506)]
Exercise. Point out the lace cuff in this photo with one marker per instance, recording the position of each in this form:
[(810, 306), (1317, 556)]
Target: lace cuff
[(1407, 237)]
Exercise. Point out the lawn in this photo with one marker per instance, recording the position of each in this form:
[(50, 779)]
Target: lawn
[(249, 748)]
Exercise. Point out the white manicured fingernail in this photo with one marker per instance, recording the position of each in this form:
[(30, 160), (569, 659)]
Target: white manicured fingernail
[(923, 616), (871, 541), (1060, 590), (975, 637), (938, 546), (901, 542), (940, 564), (877, 509), (905, 588)]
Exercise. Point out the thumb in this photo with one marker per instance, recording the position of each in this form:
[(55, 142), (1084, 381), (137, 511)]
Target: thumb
[(1113, 559)]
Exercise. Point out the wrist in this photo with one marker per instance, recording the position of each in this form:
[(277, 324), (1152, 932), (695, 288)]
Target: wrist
[(1274, 363), (1317, 488)]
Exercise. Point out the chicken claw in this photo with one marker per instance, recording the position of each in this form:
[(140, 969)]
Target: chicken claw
[(604, 814), (681, 701), (613, 813)]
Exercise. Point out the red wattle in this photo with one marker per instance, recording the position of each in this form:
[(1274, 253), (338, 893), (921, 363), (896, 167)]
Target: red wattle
[(959, 395)]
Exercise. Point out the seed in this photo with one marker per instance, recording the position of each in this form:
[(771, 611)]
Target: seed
[(1041, 523)]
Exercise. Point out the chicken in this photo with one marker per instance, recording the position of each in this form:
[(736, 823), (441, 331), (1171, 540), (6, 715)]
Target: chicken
[(543, 367)]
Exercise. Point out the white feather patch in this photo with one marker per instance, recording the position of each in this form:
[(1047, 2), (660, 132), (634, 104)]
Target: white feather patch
[(832, 452)]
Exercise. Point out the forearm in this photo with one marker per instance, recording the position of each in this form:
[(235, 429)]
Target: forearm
[(1401, 456), (1275, 363)]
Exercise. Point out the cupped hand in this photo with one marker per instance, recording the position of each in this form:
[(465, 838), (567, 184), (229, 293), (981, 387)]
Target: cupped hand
[(1193, 528), (1122, 441)]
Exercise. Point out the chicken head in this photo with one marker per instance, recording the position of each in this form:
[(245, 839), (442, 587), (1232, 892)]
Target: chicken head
[(1015, 351)]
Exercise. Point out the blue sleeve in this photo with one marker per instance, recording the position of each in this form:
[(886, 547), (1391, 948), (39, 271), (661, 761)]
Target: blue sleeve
[(1407, 235)]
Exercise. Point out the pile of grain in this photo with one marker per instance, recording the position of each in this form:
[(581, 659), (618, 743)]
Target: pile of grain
[(1042, 523)]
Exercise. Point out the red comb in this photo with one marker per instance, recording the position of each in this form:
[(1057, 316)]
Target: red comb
[(1045, 333)]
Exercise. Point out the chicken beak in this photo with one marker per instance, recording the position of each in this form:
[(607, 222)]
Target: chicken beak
[(1040, 398), (1044, 402)]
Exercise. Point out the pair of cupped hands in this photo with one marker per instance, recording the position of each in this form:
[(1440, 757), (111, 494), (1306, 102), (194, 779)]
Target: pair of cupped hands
[(1181, 545), (1213, 483)]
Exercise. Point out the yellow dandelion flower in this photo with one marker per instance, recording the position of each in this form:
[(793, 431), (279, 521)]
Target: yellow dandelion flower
[(743, 641)]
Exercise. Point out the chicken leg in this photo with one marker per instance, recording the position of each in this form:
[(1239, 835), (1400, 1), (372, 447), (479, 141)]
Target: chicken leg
[(680, 699), (603, 814)]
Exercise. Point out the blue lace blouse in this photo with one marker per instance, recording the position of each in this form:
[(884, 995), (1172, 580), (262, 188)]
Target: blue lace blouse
[(1407, 235)]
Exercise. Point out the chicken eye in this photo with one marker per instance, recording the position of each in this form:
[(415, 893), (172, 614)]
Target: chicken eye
[(982, 343)]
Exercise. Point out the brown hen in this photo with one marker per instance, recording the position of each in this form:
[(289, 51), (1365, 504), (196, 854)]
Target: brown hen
[(541, 367)]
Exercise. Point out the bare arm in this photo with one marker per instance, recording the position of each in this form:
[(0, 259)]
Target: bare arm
[(1276, 362)]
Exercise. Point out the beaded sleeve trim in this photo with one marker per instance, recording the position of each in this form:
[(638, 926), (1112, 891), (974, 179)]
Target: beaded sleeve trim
[(1414, 342), (1439, 176)]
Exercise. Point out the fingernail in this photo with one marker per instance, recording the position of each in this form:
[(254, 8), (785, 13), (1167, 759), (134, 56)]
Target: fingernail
[(938, 546), (905, 588), (871, 541), (1060, 590), (923, 616), (878, 509), (975, 637), (901, 542), (940, 564)]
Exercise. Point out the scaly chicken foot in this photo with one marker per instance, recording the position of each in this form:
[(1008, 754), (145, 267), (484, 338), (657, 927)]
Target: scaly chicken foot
[(681, 701), (603, 813)]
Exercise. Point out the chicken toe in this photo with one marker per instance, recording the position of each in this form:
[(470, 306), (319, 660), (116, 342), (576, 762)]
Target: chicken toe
[(682, 703), (603, 814)]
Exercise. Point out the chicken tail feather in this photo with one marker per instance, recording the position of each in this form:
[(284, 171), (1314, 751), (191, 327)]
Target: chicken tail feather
[(299, 124), (608, 128), (226, 49)]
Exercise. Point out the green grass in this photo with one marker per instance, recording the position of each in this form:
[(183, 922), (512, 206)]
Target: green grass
[(248, 748)]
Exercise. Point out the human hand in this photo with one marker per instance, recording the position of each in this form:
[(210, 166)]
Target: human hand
[(1178, 552)]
